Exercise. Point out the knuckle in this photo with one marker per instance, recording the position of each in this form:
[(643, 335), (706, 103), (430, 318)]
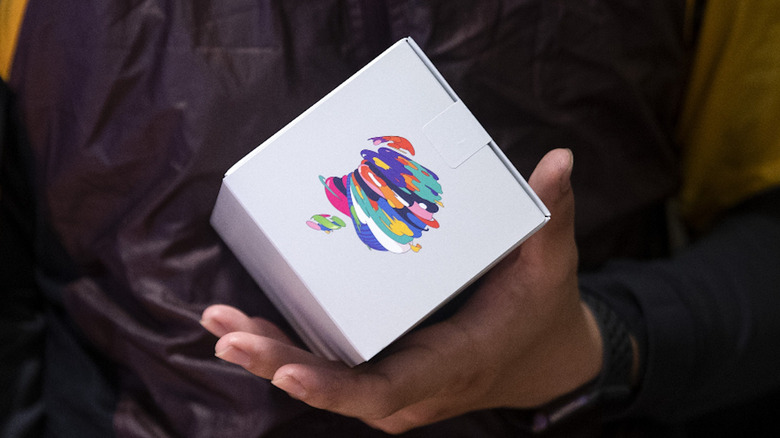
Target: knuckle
[(417, 417), (385, 400), (408, 419), (380, 410)]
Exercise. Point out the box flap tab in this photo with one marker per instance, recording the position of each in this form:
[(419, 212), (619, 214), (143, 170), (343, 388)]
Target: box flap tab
[(456, 134)]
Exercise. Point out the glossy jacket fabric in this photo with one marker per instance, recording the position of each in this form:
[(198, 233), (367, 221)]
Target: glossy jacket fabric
[(134, 110)]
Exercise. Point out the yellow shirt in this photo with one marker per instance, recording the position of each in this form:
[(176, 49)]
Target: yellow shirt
[(730, 123), (11, 15)]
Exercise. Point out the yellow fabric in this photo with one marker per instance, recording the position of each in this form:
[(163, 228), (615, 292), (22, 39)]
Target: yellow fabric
[(730, 123), (11, 16)]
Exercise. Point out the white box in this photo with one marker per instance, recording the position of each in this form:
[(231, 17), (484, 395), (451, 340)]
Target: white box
[(462, 200)]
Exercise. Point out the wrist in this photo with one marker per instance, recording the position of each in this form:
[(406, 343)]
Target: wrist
[(612, 385)]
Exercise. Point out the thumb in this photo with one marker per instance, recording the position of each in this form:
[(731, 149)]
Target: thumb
[(551, 180)]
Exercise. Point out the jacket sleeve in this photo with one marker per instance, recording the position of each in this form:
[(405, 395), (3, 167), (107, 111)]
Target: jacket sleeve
[(22, 326), (706, 319)]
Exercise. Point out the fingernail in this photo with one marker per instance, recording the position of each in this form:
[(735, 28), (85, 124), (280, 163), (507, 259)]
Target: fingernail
[(234, 355), (291, 386), (566, 175), (213, 326)]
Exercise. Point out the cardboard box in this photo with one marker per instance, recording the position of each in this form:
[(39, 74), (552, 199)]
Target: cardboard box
[(374, 207)]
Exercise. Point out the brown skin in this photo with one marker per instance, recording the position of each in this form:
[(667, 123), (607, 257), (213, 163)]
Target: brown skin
[(521, 340)]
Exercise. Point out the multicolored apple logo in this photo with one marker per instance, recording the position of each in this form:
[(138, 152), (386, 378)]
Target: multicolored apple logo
[(390, 198)]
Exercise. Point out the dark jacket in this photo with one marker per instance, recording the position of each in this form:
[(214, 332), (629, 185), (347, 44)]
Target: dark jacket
[(128, 114)]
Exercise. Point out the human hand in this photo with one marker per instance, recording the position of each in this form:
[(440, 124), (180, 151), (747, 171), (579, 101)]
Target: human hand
[(521, 340)]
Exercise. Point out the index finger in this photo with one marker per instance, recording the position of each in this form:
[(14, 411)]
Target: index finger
[(411, 372)]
